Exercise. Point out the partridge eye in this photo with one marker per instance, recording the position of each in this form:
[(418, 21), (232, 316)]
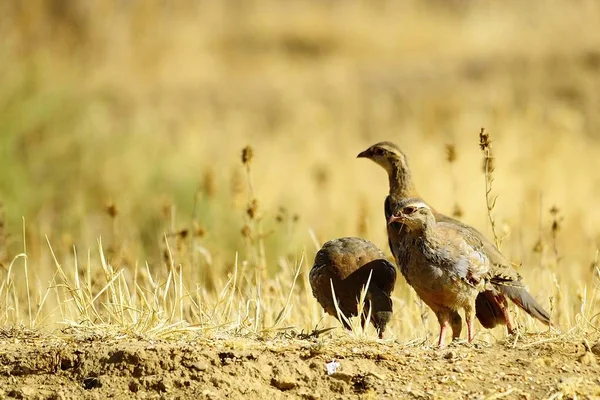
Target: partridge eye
[(409, 210), (378, 152)]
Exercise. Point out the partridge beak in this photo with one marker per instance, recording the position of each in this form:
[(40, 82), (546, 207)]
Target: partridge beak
[(393, 219), (363, 154)]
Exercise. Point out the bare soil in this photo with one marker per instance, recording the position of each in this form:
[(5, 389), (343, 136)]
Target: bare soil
[(36, 366)]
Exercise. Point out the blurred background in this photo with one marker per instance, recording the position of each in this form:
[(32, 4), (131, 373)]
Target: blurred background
[(126, 120)]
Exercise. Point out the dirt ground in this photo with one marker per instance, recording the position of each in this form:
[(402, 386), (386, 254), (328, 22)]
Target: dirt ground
[(35, 366)]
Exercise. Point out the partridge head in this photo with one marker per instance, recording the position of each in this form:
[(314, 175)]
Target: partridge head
[(385, 154), (416, 215)]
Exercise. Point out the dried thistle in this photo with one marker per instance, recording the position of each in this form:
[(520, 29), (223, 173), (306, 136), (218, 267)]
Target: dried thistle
[(247, 155), (450, 153), (199, 231), (281, 214), (111, 210), (484, 140), (166, 256), (556, 219), (457, 212), (485, 144), (555, 228), (254, 227), (246, 231), (252, 209)]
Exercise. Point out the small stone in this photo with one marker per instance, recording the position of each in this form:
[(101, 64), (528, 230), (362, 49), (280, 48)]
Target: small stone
[(596, 349), (542, 362), (28, 391), (283, 383), (449, 355), (342, 376), (588, 358), (200, 366)]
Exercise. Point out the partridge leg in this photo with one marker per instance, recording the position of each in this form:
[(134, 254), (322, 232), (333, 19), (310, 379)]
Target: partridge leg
[(470, 317), (504, 307), (444, 321), (455, 324)]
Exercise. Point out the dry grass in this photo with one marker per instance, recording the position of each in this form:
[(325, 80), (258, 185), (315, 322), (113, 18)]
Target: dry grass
[(126, 121)]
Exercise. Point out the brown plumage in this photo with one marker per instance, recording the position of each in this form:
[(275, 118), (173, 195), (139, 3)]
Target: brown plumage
[(347, 263), (491, 304), (443, 262)]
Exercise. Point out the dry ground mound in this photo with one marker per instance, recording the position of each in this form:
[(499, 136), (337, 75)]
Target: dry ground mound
[(35, 366)]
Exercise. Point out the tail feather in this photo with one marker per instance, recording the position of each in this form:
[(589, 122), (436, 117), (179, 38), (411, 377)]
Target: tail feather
[(521, 297)]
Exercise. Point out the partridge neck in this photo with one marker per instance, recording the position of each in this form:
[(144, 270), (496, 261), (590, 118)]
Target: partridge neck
[(401, 185), (429, 235)]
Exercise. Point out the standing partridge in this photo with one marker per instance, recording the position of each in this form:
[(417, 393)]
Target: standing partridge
[(445, 263), (491, 304), (347, 263)]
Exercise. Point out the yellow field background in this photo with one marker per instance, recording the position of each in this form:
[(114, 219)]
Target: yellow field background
[(126, 120)]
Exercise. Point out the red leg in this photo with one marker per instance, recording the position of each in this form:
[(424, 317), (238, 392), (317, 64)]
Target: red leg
[(470, 317), (509, 325), (503, 304), (470, 328), (443, 328), (507, 319)]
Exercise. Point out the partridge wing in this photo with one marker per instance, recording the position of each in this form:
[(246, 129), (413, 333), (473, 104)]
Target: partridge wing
[(464, 252), (501, 270)]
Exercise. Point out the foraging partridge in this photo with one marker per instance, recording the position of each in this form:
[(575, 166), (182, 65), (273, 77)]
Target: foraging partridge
[(491, 304), (347, 263)]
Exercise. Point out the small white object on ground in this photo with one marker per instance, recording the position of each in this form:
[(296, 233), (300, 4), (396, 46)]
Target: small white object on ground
[(332, 367)]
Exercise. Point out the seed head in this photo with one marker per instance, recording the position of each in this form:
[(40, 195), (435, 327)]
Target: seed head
[(111, 210), (457, 211), (247, 155), (246, 231), (199, 230), (556, 219), (450, 153), (252, 209), (484, 139), (281, 214)]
